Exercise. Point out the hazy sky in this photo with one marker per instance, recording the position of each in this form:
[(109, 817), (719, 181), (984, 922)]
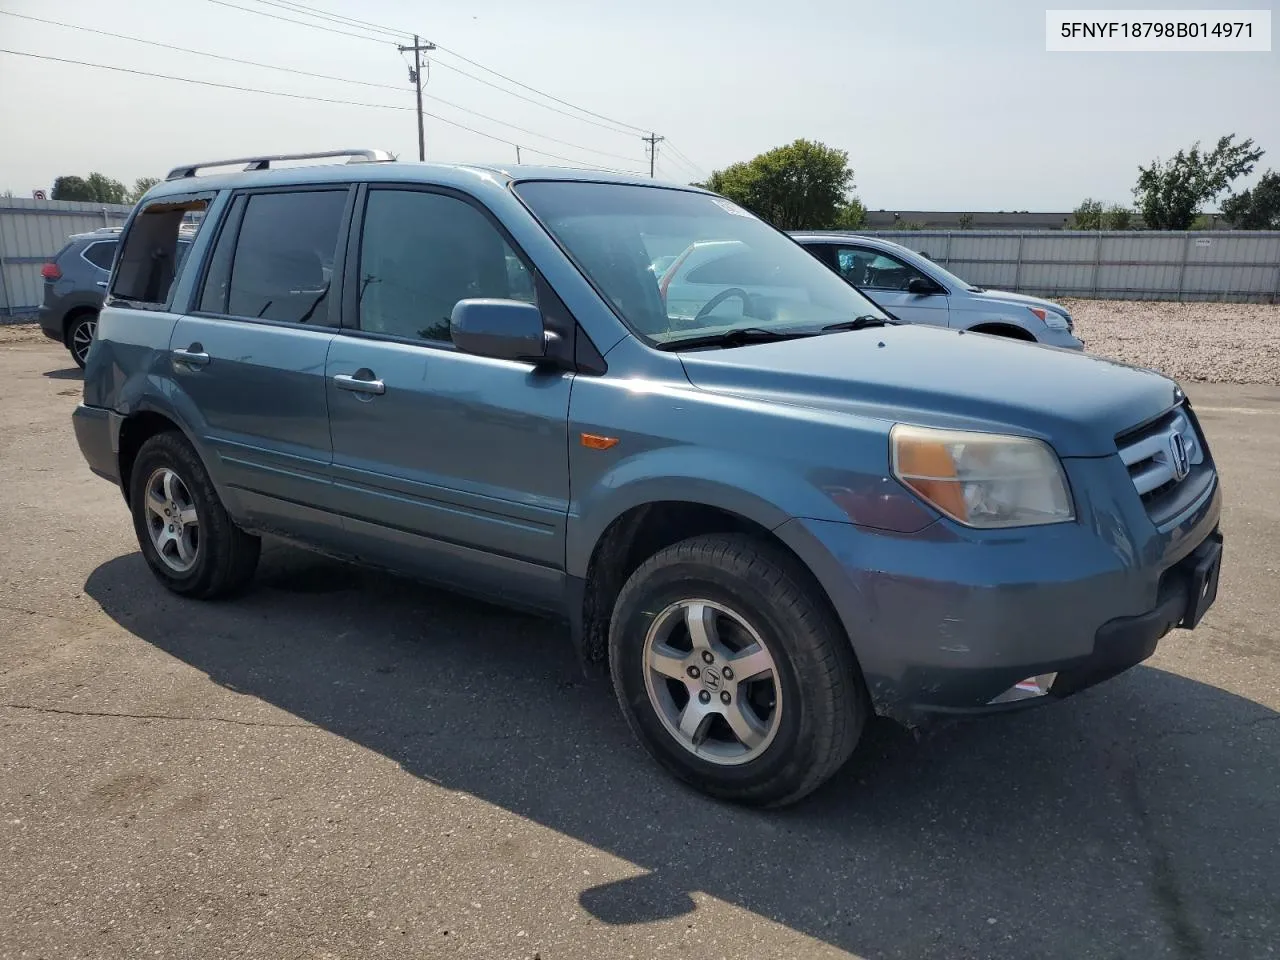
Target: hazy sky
[(950, 104)]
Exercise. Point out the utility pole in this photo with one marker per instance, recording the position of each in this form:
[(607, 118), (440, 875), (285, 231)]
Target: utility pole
[(517, 153), (415, 77), (652, 140)]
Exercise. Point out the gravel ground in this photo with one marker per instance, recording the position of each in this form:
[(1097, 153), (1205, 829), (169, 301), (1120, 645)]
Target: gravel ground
[(1208, 342), (1205, 342)]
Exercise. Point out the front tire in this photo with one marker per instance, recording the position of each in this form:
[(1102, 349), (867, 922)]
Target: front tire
[(185, 534), (733, 672)]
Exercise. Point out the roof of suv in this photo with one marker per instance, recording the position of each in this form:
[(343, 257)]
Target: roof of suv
[(102, 233), (459, 174)]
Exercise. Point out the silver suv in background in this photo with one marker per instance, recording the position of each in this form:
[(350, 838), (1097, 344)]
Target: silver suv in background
[(915, 289)]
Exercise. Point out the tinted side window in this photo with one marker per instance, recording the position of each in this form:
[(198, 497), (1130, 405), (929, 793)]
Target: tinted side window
[(101, 254), (283, 261), (423, 252)]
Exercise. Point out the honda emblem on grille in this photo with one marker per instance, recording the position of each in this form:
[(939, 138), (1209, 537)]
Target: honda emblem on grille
[(1178, 456)]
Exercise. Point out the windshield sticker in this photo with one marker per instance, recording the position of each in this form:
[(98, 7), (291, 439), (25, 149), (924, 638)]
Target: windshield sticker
[(730, 207)]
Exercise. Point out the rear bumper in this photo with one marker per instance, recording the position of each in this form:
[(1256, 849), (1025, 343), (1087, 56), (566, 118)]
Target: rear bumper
[(50, 323), (98, 434), (947, 621)]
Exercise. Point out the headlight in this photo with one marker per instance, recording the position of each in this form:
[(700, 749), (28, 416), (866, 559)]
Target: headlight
[(982, 479), (1051, 319)]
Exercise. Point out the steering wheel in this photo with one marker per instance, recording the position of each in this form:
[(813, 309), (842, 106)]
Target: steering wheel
[(720, 298)]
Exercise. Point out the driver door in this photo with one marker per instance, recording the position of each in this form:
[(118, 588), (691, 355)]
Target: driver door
[(884, 279)]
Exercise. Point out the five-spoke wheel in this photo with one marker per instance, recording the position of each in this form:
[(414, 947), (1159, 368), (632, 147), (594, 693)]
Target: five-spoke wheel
[(172, 520), (733, 670), (712, 681)]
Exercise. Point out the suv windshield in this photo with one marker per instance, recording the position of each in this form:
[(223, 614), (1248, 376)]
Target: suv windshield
[(724, 269)]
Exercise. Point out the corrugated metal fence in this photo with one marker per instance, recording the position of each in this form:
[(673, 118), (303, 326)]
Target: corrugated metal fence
[(1236, 265), (1131, 265), (32, 231)]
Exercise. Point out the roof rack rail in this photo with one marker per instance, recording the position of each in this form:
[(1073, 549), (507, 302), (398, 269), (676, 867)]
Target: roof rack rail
[(264, 163)]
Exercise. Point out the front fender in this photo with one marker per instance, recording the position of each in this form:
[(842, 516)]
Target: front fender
[(767, 494)]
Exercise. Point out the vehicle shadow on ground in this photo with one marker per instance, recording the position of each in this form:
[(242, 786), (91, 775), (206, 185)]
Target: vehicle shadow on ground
[(70, 373), (1135, 820)]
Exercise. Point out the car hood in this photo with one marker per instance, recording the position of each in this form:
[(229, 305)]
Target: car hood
[(945, 378), (1004, 296)]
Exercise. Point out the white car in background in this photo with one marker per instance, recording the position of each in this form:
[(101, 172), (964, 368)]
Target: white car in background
[(914, 289)]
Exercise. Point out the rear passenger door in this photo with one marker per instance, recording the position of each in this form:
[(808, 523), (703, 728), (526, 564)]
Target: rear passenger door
[(452, 464), (250, 358)]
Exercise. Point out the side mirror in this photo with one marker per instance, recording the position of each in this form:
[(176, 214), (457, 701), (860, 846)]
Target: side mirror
[(922, 287), (502, 329)]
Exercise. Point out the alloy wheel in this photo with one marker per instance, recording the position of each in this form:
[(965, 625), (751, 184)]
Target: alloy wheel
[(172, 520), (712, 681)]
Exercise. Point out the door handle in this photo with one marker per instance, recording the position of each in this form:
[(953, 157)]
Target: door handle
[(102, 283), (192, 356), (368, 384)]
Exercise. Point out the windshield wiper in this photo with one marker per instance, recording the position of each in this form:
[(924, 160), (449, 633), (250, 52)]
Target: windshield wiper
[(859, 323), (737, 337)]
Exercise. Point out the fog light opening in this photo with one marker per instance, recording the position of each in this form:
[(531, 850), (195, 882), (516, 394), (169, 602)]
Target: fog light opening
[(1027, 689)]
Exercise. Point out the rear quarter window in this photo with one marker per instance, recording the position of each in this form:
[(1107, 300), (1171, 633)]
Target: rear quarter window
[(101, 253)]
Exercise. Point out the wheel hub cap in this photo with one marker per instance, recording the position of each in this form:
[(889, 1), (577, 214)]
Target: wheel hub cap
[(172, 520), (712, 681)]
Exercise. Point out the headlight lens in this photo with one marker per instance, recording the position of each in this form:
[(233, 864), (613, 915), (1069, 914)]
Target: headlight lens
[(982, 479), (1051, 319)]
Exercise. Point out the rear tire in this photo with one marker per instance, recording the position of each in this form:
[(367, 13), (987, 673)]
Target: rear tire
[(712, 602), (80, 337), (185, 534)]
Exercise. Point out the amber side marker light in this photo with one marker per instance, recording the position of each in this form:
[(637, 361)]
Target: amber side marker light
[(593, 441)]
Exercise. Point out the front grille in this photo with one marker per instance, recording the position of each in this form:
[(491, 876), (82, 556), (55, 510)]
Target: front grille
[(1151, 455)]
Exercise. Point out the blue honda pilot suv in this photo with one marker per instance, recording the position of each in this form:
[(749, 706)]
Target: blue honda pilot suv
[(768, 517)]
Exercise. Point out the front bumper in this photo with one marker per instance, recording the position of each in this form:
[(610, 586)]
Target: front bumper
[(1061, 338), (947, 620), (98, 434)]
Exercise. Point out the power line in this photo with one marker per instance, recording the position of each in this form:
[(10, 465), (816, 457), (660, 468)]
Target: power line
[(316, 11), (689, 164), (333, 18), (536, 103), (301, 23), (303, 96), (316, 76), (598, 116), (617, 126)]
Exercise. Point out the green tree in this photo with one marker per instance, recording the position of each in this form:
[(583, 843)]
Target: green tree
[(1117, 217), (96, 188), (71, 188), (1170, 193), (140, 187), (965, 221), (852, 215), (1087, 216), (105, 189), (1257, 208), (804, 185)]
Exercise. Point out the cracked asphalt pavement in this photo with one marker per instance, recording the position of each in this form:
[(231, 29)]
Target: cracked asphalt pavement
[(342, 764)]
